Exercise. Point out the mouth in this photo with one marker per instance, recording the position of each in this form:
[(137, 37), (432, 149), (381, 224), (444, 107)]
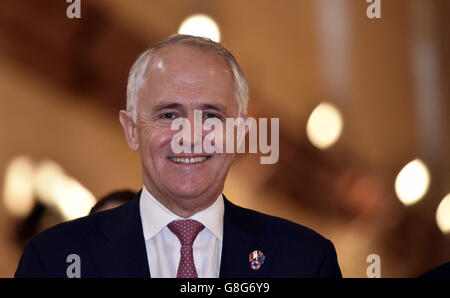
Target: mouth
[(189, 160)]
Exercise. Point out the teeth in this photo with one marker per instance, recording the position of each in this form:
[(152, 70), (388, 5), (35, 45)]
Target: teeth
[(189, 160)]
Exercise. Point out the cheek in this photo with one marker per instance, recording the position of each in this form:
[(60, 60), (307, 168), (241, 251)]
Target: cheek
[(224, 161), (155, 140)]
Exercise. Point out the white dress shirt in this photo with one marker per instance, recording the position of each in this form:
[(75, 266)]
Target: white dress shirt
[(163, 246)]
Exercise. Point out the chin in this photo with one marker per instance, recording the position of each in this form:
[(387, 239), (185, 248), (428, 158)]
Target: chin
[(188, 190)]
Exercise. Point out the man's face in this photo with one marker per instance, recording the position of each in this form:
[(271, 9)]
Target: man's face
[(180, 80)]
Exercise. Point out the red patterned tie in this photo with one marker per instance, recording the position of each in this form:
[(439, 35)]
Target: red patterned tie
[(186, 230)]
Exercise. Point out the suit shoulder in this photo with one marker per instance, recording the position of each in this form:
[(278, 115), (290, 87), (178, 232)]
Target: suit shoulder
[(277, 226), (77, 230), (46, 254), (315, 256)]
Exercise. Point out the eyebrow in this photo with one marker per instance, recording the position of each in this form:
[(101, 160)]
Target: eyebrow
[(165, 106), (216, 107)]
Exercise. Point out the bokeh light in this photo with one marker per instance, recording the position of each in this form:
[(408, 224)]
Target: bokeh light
[(200, 25), (324, 126), (18, 186), (443, 215), (412, 182), (47, 177), (54, 188), (76, 202)]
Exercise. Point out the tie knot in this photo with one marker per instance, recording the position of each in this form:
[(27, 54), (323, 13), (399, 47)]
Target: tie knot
[(186, 230)]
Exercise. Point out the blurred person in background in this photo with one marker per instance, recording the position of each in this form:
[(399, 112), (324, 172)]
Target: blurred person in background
[(112, 200), (180, 224)]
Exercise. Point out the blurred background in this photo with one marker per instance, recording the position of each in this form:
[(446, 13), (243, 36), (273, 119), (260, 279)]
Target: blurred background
[(363, 103)]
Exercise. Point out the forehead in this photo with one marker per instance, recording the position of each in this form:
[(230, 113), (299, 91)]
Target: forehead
[(186, 74), (175, 57)]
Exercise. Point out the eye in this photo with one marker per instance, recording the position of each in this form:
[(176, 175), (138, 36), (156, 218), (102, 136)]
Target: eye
[(168, 116), (211, 115)]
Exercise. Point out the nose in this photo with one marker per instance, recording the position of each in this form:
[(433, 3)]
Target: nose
[(193, 138)]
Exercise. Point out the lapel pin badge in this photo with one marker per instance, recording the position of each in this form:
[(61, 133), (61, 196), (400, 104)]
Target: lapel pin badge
[(256, 259)]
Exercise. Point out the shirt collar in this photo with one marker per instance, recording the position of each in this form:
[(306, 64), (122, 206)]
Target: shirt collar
[(155, 216)]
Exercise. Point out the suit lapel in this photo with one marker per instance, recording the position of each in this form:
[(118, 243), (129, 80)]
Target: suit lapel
[(241, 236), (121, 250)]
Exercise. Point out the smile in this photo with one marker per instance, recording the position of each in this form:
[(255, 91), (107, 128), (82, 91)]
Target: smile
[(187, 160)]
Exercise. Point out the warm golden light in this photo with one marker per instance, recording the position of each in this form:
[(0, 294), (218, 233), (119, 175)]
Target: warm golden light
[(76, 200), (443, 214), (57, 189), (47, 177), (324, 126), (200, 25), (412, 182), (18, 186)]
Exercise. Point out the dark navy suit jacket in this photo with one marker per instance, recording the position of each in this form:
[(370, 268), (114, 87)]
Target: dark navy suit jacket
[(111, 244)]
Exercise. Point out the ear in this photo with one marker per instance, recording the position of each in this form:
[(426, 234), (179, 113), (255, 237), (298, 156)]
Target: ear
[(129, 127)]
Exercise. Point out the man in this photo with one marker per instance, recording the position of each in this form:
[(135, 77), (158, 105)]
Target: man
[(180, 224)]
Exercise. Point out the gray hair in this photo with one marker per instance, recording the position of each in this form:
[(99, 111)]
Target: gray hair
[(136, 77)]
